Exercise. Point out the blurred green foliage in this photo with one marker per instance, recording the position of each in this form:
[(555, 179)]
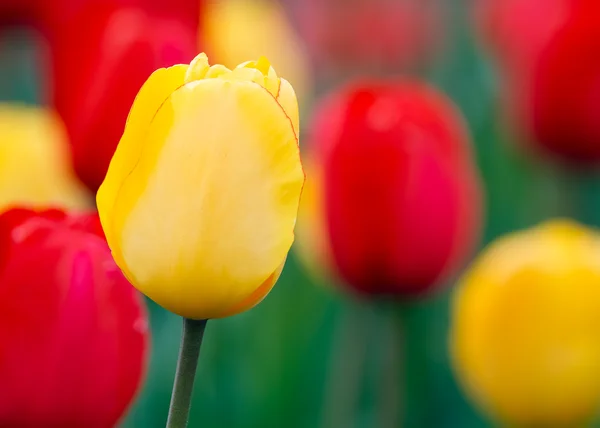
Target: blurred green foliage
[(310, 357)]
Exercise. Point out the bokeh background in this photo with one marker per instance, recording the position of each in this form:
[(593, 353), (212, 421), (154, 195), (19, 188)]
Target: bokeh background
[(311, 355)]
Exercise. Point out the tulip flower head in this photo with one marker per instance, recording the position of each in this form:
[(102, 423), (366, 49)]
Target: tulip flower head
[(200, 200), (525, 327), (35, 169), (549, 68), (392, 201), (118, 46), (73, 332), (565, 93)]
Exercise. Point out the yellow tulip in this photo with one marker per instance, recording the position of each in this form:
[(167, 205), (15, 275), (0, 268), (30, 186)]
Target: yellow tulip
[(525, 334), (35, 169), (200, 200)]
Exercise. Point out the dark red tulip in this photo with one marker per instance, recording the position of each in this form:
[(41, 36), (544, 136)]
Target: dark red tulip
[(73, 331), (547, 52), (399, 195), (17, 12), (102, 52), (565, 93), (515, 32)]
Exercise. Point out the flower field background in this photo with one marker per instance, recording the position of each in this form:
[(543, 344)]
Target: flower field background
[(313, 354)]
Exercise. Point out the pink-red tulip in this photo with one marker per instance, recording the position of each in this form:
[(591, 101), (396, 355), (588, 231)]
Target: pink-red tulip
[(73, 331), (102, 53), (392, 198)]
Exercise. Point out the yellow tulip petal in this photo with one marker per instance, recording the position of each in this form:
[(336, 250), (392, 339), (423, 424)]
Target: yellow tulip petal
[(216, 70), (208, 213), (153, 93), (256, 297), (248, 74), (287, 99), (197, 69)]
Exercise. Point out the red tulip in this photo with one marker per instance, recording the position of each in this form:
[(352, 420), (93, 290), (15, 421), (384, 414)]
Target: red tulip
[(547, 52), (516, 32), (73, 331), (19, 11), (102, 54), (398, 195), (565, 92)]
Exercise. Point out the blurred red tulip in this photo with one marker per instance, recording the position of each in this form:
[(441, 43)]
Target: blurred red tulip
[(74, 332), (565, 92), (20, 11), (397, 188), (547, 52), (380, 33), (516, 32), (102, 54)]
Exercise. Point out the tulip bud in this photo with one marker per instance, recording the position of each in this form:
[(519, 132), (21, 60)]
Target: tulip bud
[(35, 168), (116, 48), (549, 69), (525, 327), (392, 199), (565, 100), (200, 200), (74, 332)]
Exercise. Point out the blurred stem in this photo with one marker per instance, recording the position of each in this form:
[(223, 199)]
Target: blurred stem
[(391, 366), (346, 368), (413, 374), (189, 350)]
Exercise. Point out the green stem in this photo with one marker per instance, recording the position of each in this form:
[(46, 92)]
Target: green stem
[(189, 350), (346, 367), (390, 364), (414, 374)]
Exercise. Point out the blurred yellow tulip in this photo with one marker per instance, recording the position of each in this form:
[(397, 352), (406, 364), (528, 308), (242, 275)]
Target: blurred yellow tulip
[(525, 334), (234, 30), (35, 169), (200, 200)]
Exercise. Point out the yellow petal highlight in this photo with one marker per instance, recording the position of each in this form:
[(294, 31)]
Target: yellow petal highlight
[(525, 327), (207, 215), (35, 168)]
